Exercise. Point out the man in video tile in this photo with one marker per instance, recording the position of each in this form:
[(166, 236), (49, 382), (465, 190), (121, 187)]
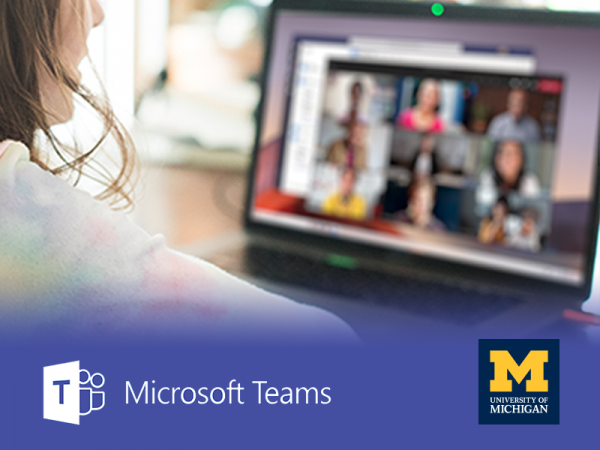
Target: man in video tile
[(350, 151), (421, 202), (346, 203), (515, 123)]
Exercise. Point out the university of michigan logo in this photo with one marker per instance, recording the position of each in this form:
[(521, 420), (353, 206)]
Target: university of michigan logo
[(519, 381)]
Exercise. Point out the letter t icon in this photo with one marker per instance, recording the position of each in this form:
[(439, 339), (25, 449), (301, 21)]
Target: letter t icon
[(61, 395)]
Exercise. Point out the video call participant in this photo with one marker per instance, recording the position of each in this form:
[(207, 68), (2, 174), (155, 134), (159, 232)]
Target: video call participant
[(507, 174), (356, 97), (346, 203), (421, 202), (491, 229), (425, 162), (528, 237), (515, 123), (350, 151), (424, 117)]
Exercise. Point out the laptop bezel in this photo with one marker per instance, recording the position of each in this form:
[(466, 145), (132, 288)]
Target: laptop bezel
[(361, 250)]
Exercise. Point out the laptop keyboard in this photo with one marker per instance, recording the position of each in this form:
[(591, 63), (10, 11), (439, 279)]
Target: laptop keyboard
[(434, 300)]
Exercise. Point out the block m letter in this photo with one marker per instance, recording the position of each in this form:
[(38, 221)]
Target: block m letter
[(504, 363)]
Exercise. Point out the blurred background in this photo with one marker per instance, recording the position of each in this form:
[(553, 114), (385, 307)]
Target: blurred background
[(184, 77)]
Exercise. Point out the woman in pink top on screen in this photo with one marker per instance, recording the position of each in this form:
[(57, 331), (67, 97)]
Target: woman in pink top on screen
[(423, 117)]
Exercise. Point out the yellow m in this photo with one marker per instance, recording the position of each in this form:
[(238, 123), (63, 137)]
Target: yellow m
[(504, 363)]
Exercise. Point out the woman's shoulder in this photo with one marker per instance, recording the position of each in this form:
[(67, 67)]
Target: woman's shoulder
[(12, 146), (11, 153)]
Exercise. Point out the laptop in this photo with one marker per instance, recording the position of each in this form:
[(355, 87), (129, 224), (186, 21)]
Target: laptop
[(425, 167)]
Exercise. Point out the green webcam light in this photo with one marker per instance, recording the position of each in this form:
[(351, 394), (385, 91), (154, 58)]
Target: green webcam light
[(437, 9)]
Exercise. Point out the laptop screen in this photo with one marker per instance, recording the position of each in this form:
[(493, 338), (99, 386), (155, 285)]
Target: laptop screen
[(464, 141)]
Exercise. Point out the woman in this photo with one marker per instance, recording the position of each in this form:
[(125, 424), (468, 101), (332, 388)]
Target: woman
[(423, 117), (70, 262), (507, 174), (491, 230), (357, 93)]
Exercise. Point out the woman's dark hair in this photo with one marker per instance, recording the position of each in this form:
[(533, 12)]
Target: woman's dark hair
[(420, 84), (28, 45), (502, 185)]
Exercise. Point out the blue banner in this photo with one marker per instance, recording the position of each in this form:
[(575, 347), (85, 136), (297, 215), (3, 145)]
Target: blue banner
[(402, 393)]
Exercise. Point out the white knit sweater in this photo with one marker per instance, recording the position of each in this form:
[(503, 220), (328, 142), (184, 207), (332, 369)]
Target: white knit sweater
[(70, 262)]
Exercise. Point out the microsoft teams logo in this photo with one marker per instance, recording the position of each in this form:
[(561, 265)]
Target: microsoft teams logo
[(69, 392)]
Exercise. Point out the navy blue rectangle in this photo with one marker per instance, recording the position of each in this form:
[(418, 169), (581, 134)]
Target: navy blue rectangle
[(519, 349)]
